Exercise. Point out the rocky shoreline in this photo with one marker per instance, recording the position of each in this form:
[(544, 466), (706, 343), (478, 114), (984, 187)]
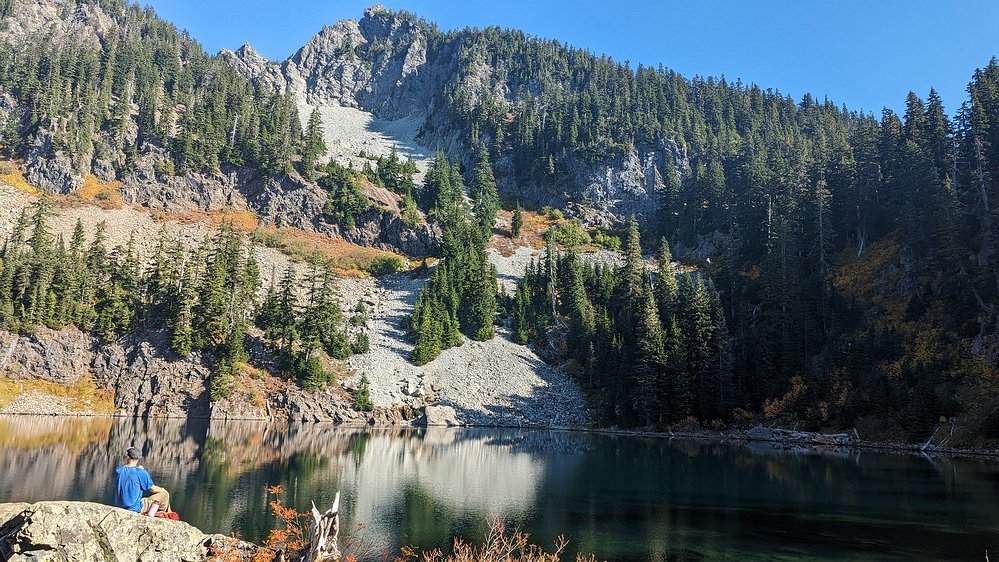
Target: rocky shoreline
[(84, 531)]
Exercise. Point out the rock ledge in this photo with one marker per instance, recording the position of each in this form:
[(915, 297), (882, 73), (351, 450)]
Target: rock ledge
[(83, 531)]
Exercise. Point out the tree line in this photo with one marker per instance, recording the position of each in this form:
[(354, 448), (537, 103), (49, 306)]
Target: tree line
[(650, 347), (145, 83), (204, 298), (460, 297), (855, 255)]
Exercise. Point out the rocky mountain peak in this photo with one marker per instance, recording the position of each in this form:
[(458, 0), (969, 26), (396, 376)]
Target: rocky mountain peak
[(64, 21), (381, 23), (248, 53), (250, 63)]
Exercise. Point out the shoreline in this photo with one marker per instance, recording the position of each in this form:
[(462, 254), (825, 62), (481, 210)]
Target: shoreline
[(736, 436)]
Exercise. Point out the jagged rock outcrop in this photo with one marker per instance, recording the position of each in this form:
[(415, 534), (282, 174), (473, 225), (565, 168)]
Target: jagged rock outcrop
[(56, 356), (149, 380), (386, 230), (390, 65), (85, 532)]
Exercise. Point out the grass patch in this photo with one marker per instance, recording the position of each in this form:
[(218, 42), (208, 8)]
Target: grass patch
[(104, 195), (9, 391), (532, 232), (84, 396), (345, 258), (13, 175), (243, 221)]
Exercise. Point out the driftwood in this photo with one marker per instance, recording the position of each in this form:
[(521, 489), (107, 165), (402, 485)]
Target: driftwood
[(323, 545), (760, 433), (931, 447)]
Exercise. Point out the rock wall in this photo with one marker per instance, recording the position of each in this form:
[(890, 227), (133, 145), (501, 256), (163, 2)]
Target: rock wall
[(149, 380)]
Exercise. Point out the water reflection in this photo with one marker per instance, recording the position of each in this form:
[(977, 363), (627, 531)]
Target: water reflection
[(625, 498)]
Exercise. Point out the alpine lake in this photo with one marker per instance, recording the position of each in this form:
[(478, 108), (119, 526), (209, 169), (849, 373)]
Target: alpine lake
[(620, 497)]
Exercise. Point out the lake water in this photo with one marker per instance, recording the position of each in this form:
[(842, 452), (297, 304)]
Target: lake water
[(623, 498)]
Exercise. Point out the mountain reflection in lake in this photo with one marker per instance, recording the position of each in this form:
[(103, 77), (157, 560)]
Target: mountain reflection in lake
[(625, 498)]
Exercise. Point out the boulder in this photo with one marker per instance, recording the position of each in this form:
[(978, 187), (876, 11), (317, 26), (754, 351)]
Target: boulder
[(440, 416), (84, 532), (760, 433)]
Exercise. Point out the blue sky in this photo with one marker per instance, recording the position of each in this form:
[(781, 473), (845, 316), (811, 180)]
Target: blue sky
[(867, 54)]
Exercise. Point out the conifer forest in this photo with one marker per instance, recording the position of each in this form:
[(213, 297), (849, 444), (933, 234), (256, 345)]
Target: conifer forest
[(798, 261)]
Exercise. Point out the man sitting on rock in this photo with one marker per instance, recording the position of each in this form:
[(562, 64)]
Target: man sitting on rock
[(133, 482)]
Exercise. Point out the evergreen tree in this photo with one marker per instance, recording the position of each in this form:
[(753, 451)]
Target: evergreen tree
[(485, 198), (517, 222), (313, 146), (650, 361)]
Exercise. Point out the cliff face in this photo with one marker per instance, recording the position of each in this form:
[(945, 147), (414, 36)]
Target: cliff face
[(142, 378), (399, 68), (119, 153)]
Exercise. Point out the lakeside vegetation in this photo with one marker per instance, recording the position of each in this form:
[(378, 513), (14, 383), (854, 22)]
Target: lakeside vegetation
[(206, 298), (854, 257)]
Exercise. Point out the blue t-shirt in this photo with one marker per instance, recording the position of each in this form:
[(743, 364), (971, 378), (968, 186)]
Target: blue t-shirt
[(132, 482)]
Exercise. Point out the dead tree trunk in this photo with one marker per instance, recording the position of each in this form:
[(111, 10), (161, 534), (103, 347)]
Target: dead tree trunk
[(325, 528)]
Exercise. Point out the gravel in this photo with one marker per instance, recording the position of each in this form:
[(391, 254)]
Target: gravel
[(347, 131), (496, 382)]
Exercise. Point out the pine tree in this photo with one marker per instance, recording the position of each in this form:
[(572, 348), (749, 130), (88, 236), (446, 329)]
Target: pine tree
[(485, 198), (313, 145), (286, 321), (182, 327), (362, 396), (670, 204), (666, 285), (321, 322), (649, 361), (427, 345), (517, 222)]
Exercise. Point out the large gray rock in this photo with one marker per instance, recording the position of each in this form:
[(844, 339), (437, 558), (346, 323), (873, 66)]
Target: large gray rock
[(87, 532), (57, 356), (440, 416)]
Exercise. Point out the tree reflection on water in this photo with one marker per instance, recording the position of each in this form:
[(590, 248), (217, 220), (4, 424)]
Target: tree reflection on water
[(622, 497)]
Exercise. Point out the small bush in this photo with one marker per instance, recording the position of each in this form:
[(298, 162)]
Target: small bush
[(358, 320), (223, 381), (410, 214), (362, 396), (607, 240), (308, 369), (165, 168), (361, 345), (386, 264), (268, 238), (569, 233)]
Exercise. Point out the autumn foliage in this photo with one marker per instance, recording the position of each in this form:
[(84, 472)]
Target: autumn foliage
[(501, 545), (290, 538)]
